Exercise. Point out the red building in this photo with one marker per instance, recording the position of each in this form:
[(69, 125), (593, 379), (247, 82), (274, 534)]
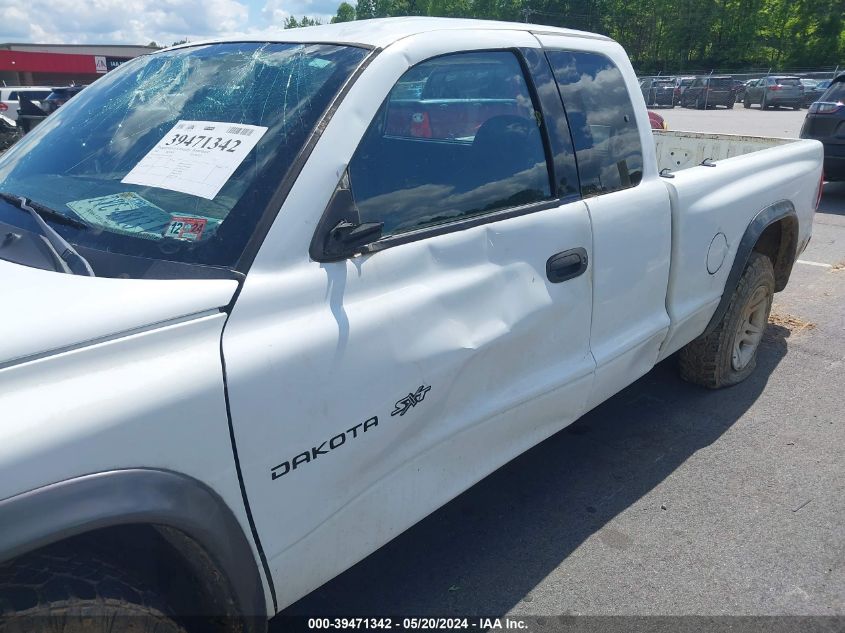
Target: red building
[(61, 64)]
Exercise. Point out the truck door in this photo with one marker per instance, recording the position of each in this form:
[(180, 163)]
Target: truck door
[(366, 392), (629, 208)]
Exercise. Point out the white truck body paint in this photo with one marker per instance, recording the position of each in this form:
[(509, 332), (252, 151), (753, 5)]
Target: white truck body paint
[(56, 311), (735, 187), (103, 374)]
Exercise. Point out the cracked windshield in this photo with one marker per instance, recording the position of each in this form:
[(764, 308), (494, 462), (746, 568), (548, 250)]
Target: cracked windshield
[(175, 155)]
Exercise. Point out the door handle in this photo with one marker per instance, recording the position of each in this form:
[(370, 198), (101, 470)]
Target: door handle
[(566, 265)]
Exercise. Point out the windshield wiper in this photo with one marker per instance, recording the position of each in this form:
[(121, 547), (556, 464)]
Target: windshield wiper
[(67, 257), (43, 211)]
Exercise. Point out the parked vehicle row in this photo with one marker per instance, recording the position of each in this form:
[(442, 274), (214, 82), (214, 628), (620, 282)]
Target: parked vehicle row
[(10, 98), (32, 104), (709, 91)]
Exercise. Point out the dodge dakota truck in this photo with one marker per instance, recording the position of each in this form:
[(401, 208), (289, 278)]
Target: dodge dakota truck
[(267, 304)]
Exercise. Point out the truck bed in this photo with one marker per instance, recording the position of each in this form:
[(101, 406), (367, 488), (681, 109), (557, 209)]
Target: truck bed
[(678, 150), (712, 206)]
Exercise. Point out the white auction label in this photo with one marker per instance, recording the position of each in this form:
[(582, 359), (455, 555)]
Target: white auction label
[(196, 157)]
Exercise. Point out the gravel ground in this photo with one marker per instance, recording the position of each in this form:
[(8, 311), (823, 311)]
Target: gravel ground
[(665, 500)]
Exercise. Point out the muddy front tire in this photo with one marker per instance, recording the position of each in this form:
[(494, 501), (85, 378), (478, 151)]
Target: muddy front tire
[(728, 354), (72, 592)]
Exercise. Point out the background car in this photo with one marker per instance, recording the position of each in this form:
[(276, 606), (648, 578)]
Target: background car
[(31, 113), (825, 122), (58, 97), (10, 98), (739, 93), (658, 91), (656, 121), (681, 85), (774, 91), (814, 94), (9, 132), (709, 92)]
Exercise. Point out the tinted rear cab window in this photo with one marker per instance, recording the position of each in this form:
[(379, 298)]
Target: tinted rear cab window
[(601, 118)]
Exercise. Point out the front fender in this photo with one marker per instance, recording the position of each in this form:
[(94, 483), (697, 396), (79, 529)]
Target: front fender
[(135, 496)]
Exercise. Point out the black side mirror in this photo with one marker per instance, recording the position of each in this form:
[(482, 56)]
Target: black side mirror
[(347, 239), (340, 233)]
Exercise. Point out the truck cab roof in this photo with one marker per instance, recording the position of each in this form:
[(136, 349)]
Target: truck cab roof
[(381, 32)]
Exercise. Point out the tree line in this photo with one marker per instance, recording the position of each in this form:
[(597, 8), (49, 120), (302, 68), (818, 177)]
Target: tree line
[(661, 35)]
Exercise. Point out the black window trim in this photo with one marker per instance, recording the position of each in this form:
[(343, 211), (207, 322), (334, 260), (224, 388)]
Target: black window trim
[(466, 223), (274, 206), (489, 217)]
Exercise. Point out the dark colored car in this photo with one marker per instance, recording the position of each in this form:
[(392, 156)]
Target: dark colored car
[(814, 93), (31, 114), (681, 85), (774, 92), (709, 92), (825, 122), (659, 91), (739, 92), (59, 97)]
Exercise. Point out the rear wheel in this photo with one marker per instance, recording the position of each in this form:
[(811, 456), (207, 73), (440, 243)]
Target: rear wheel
[(728, 354)]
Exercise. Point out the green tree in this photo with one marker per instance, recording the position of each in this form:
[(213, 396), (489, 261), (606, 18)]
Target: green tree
[(291, 22), (665, 35), (345, 13)]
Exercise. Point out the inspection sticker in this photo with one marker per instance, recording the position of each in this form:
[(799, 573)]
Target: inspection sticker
[(184, 227), (196, 157)]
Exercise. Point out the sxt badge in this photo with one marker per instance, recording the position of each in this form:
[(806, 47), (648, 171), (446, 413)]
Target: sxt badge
[(411, 400)]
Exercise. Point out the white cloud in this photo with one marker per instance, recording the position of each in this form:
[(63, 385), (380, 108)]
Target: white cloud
[(121, 21), (275, 11)]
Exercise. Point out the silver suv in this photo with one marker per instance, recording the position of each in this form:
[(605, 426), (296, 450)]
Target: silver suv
[(774, 92)]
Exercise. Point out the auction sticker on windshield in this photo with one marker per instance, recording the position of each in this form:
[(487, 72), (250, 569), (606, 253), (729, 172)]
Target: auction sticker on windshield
[(125, 212), (196, 157)]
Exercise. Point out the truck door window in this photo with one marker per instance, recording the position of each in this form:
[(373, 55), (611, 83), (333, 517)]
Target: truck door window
[(456, 137), (601, 117)]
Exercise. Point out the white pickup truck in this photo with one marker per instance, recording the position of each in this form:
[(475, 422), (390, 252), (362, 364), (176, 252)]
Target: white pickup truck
[(269, 303)]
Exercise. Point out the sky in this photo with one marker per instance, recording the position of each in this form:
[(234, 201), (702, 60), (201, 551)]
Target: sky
[(143, 21)]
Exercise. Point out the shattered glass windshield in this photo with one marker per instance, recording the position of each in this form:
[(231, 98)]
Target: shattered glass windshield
[(174, 156)]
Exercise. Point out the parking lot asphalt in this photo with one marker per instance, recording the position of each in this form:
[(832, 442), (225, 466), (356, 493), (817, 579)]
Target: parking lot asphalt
[(779, 122), (666, 500)]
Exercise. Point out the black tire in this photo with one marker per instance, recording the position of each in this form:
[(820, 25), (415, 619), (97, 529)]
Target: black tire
[(74, 592), (731, 105), (710, 359)]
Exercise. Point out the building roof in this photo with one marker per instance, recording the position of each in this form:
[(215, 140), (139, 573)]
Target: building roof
[(381, 32)]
